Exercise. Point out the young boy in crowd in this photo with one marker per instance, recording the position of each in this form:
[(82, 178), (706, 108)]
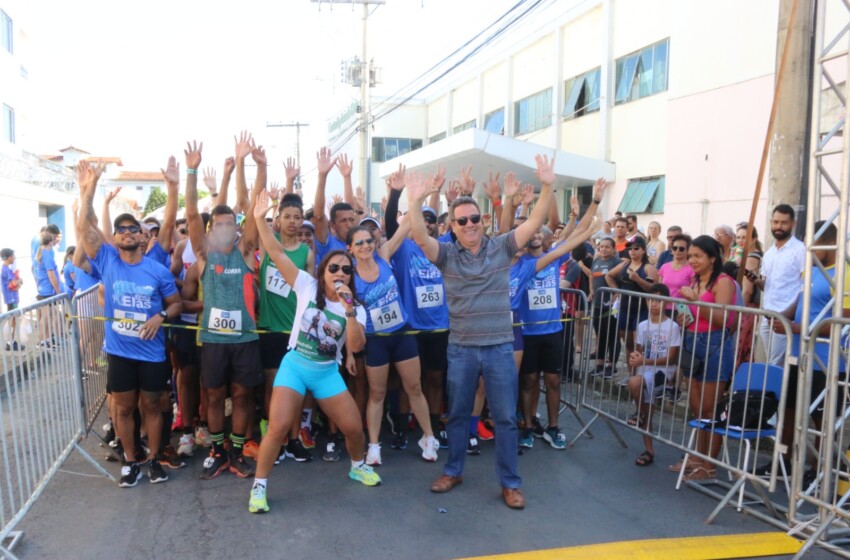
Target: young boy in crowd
[(11, 291)]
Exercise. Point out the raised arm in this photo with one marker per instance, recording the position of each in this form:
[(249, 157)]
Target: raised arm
[(171, 174), (229, 167), (546, 175), (345, 167), (389, 248), (292, 172), (105, 217), (324, 164), (250, 239), (562, 249), (271, 245), (87, 234), (438, 180), (417, 191), (193, 217), (244, 146), (506, 220), (396, 183), (493, 190)]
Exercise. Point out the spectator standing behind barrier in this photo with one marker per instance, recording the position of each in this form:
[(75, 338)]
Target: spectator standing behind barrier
[(605, 323), (726, 237), (678, 273), (12, 283), (621, 228), (654, 245), (476, 273), (781, 277), (750, 294), (667, 256), (632, 227)]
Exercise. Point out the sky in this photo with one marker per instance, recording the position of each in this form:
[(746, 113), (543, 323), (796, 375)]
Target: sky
[(137, 80)]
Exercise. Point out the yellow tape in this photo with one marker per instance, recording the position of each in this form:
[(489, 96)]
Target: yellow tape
[(751, 545)]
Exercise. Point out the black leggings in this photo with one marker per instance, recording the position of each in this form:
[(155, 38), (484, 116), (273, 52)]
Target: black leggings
[(607, 341)]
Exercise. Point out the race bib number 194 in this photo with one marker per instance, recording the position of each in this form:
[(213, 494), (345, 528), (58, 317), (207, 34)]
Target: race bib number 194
[(387, 317)]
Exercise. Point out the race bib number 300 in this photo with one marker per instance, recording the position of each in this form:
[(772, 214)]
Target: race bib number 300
[(540, 300), (222, 321), (387, 317), (429, 296), (132, 327), (276, 284)]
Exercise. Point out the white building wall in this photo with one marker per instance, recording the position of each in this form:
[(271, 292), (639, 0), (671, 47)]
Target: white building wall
[(14, 83)]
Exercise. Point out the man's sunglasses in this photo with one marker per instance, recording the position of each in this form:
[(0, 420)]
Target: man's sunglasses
[(430, 219), (125, 229), (183, 231), (678, 248), (346, 268), (463, 220), (360, 242)]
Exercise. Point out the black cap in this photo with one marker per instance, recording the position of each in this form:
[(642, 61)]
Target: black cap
[(637, 242), (126, 218)]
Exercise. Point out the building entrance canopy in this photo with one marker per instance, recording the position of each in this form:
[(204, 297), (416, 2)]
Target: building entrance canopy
[(488, 152)]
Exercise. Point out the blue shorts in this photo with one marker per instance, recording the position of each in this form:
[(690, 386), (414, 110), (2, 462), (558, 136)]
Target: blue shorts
[(382, 350), (300, 374), (708, 357)]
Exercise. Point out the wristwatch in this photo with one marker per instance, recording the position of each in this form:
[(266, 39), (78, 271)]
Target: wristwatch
[(351, 313), (164, 315)]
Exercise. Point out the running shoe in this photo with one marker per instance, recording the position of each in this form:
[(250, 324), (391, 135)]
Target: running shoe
[(443, 438), (169, 457), (130, 475), (399, 441), (537, 427), (258, 502), (472, 447), (555, 438), (295, 450), (307, 438), (331, 453), (608, 372), (484, 434), (202, 436), (365, 474), (373, 457), (109, 435), (177, 425), (526, 439), (240, 466), (156, 473), (214, 465), (251, 449), (186, 445), (429, 446), (281, 455)]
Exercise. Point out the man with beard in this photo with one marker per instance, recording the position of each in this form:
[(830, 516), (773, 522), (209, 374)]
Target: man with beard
[(781, 277), (230, 355), (139, 295)]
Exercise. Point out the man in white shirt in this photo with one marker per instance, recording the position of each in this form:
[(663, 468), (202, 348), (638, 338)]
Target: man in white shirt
[(781, 277)]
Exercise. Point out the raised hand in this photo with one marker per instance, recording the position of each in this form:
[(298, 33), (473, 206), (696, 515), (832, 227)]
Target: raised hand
[(360, 199), (527, 194), (263, 205), (383, 205), (599, 188), (493, 190), (336, 199), (193, 154), (467, 183), (545, 169), (229, 166), (258, 154), (292, 170), (344, 165), (171, 173), (486, 221), (110, 196), (439, 179), (511, 184), (452, 191), (324, 161), (575, 208), (274, 190), (244, 144), (209, 178), (396, 181), (418, 190)]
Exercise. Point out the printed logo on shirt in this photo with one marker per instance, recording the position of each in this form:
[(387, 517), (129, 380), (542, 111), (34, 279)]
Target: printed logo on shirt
[(423, 269), (129, 294), (219, 269)]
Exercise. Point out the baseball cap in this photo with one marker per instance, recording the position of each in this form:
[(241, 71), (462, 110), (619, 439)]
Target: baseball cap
[(309, 224), (125, 217), (153, 222), (637, 242), (429, 209), (373, 220)]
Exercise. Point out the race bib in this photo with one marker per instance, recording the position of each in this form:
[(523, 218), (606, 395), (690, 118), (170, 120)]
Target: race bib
[(387, 317), (276, 284), (222, 321), (540, 300), (127, 328), (429, 296)]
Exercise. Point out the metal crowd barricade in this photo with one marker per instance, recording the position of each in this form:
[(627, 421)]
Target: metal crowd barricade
[(820, 509), (689, 416), (41, 412), (90, 334)]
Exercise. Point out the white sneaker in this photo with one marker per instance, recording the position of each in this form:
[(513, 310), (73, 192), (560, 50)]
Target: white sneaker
[(373, 456), (202, 436), (186, 447), (429, 446)]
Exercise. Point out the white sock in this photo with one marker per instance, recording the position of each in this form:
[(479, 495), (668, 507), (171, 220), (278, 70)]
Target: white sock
[(355, 464), (306, 417), (371, 445), (261, 482)]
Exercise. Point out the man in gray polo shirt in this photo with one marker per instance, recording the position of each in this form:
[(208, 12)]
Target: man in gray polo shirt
[(476, 271)]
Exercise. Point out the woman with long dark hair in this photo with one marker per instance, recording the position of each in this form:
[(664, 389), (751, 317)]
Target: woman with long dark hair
[(708, 347), (327, 315)]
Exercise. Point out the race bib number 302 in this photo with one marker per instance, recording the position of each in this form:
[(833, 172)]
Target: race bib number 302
[(387, 317), (132, 326), (429, 296), (540, 300), (223, 321)]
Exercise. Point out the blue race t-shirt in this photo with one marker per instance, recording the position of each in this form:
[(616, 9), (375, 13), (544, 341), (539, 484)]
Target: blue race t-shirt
[(133, 291), (540, 305), (323, 249), (83, 280), (68, 275), (821, 297), (384, 309), (158, 254), (8, 276), (46, 263), (521, 273), (421, 285)]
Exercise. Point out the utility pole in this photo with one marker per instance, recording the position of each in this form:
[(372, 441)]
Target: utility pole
[(788, 166), (297, 126)]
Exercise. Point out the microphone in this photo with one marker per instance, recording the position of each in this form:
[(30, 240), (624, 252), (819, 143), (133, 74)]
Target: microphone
[(337, 285)]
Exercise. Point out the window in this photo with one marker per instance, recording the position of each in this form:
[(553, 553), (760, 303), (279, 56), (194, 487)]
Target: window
[(643, 196), (582, 94), (464, 126), (495, 121), (533, 112), (6, 32), (8, 124), (436, 138), (384, 149), (642, 73)]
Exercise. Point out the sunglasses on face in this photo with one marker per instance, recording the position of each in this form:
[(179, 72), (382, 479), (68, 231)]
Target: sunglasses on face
[(678, 248), (635, 248), (125, 229), (183, 231), (346, 268), (463, 220), (429, 219), (360, 242)]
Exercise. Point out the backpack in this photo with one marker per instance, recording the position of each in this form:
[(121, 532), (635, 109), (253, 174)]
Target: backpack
[(743, 410)]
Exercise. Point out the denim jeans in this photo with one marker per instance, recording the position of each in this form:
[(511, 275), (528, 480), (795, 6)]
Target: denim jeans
[(496, 364)]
